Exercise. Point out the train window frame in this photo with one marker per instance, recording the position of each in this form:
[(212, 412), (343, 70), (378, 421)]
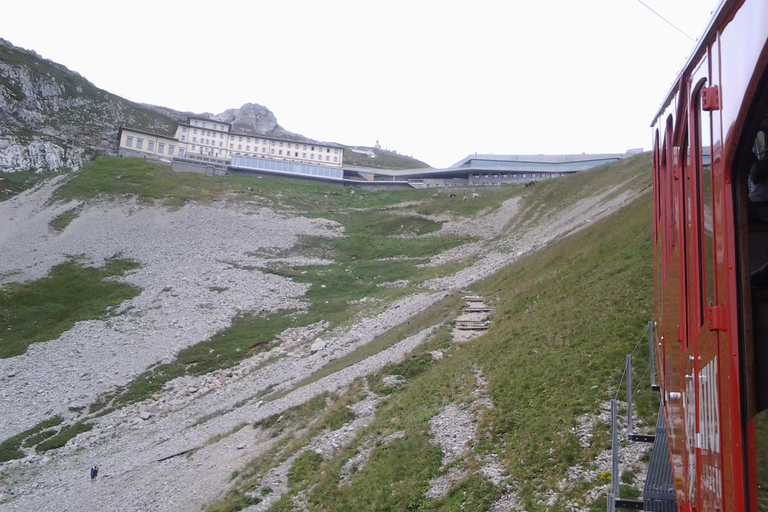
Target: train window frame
[(667, 164), (689, 236), (706, 246)]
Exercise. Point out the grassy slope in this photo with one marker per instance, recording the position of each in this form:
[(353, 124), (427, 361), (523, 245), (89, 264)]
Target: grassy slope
[(42, 310), (565, 319), (384, 159)]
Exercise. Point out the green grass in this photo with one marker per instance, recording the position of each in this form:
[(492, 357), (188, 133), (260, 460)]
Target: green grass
[(61, 221), (65, 434), (10, 449), (148, 181), (43, 309), (14, 183), (384, 159)]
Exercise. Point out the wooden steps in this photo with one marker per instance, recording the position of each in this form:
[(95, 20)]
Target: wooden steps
[(475, 314), (471, 325)]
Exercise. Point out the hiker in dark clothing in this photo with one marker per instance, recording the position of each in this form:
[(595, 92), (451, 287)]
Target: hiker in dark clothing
[(94, 472)]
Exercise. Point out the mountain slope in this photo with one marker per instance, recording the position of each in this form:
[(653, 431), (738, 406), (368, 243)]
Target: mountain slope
[(52, 118), (292, 344)]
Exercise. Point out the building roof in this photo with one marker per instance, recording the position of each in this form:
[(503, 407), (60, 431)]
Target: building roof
[(511, 160), (169, 137)]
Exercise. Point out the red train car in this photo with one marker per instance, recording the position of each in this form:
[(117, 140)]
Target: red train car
[(711, 249)]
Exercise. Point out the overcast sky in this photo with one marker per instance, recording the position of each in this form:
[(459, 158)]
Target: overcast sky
[(437, 80)]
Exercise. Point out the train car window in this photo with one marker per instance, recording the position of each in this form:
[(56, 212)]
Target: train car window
[(690, 230), (665, 205), (658, 273), (669, 189)]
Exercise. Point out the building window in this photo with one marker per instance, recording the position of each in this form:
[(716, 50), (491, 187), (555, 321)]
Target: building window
[(171, 149), (231, 146), (280, 152), (336, 151), (181, 151), (247, 148), (239, 146), (312, 156), (203, 124), (281, 144), (183, 137), (221, 144), (129, 142), (303, 155), (295, 153), (161, 148), (327, 158), (335, 159), (196, 123), (194, 131), (194, 139), (139, 143), (184, 129), (272, 151)]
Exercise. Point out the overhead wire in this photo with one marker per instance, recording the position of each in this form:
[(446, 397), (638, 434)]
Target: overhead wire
[(665, 19)]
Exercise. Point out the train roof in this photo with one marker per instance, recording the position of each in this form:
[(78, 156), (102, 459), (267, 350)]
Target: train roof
[(720, 15)]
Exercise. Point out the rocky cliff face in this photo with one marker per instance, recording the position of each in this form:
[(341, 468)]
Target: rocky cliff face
[(52, 118), (255, 119)]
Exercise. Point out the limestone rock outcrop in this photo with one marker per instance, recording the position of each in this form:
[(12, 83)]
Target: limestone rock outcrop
[(52, 118)]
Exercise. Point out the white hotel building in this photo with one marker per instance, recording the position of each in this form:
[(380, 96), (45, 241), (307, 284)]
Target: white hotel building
[(204, 138)]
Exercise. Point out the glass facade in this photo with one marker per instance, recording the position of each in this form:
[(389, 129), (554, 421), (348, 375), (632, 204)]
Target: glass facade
[(262, 164)]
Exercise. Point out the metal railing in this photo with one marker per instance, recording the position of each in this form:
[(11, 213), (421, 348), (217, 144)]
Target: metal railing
[(614, 499)]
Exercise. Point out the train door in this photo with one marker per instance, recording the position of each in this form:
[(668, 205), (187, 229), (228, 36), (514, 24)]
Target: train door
[(687, 179), (672, 320), (702, 369)]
